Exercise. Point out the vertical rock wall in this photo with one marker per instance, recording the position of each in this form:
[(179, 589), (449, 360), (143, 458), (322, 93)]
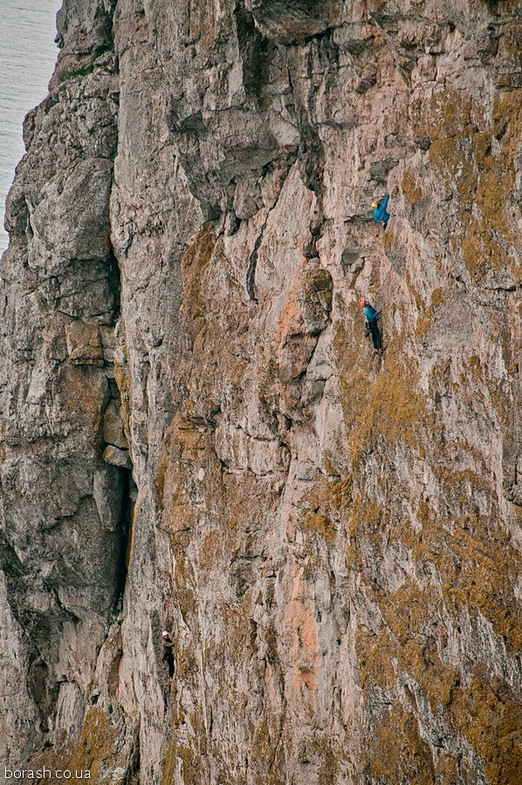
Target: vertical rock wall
[(195, 432), (62, 506)]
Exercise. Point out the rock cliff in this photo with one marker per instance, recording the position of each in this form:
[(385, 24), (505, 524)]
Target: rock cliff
[(195, 434)]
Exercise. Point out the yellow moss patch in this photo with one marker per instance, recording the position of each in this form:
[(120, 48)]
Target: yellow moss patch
[(482, 151), (375, 654), (186, 446), (480, 170), (96, 747), (472, 369), (447, 769), (395, 409), (474, 257), (482, 577), (325, 506), (474, 558), (486, 712), (320, 523), (269, 759), (327, 771), (489, 237), (410, 188), (194, 266), (190, 764), (491, 197), (448, 114), (502, 400), (507, 115), (454, 167), (353, 374), (486, 244), (426, 320), (436, 679), (396, 751), (437, 297), (201, 23), (490, 716), (169, 766), (405, 611), (482, 251), (365, 516)]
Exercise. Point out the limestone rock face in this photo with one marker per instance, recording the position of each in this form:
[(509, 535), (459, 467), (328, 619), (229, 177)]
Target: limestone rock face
[(197, 436)]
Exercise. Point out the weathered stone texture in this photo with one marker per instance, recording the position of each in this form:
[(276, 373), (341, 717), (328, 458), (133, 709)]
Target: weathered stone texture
[(196, 435)]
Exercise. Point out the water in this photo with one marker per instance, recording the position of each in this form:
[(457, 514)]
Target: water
[(27, 57)]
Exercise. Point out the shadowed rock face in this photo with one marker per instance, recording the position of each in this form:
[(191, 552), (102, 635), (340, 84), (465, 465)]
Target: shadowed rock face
[(295, 20), (195, 434)]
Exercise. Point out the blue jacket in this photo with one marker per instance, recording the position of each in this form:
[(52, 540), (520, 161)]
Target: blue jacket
[(370, 313), (380, 213)]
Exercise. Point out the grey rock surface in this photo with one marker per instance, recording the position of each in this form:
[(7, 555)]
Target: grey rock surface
[(195, 434)]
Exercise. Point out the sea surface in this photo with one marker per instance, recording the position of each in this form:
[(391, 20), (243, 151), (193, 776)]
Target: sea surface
[(27, 57)]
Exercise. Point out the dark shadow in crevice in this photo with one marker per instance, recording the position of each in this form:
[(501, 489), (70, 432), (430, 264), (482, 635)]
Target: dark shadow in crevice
[(114, 281), (128, 500)]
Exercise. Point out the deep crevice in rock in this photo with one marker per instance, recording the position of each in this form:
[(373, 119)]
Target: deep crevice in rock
[(128, 499)]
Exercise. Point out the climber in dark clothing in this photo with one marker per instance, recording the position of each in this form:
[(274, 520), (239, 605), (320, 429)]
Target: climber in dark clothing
[(168, 654), (372, 328), (379, 212)]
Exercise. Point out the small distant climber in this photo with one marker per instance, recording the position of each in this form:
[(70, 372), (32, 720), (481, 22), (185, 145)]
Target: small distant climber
[(379, 212), (372, 328), (168, 654)]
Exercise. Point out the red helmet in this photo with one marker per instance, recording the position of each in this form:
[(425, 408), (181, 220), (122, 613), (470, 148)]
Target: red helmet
[(363, 303)]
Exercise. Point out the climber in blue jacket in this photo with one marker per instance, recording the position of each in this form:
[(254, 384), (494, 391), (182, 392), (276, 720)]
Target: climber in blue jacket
[(372, 328), (379, 212)]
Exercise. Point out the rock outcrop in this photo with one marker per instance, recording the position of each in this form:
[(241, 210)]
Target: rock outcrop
[(195, 435)]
